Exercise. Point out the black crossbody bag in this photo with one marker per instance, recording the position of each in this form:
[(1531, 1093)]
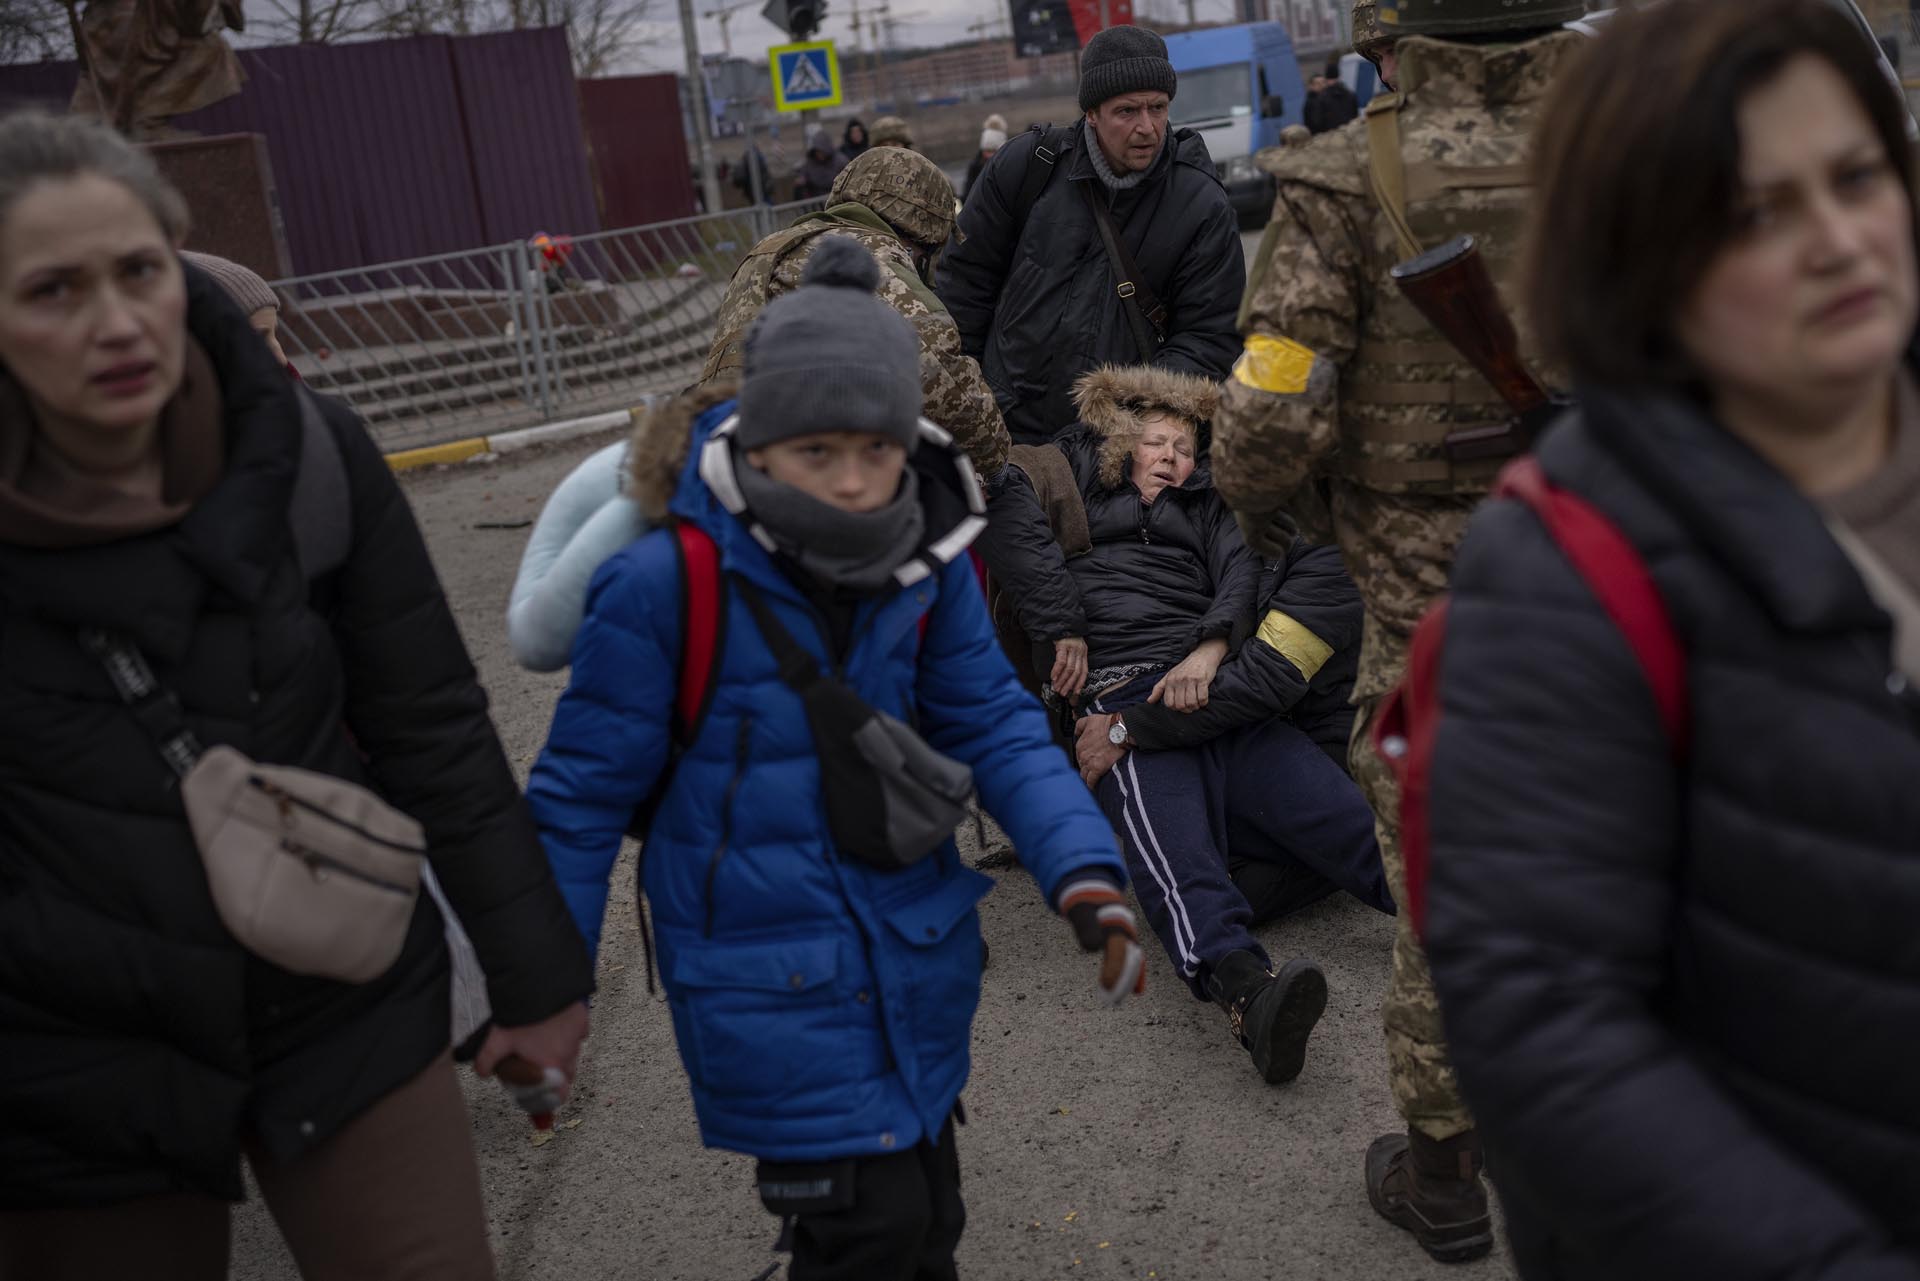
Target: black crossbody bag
[(891, 799)]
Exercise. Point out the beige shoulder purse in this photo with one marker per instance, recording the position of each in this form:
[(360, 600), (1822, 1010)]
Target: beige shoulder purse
[(313, 873)]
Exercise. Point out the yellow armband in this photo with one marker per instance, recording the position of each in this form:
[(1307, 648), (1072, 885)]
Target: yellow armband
[(1277, 365), (1294, 642)]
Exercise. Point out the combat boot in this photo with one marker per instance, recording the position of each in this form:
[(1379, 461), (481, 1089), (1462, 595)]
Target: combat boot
[(1272, 1015), (1432, 1188)]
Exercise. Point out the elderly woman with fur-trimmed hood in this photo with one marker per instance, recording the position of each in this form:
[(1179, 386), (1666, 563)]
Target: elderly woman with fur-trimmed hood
[(1208, 685), (1154, 576)]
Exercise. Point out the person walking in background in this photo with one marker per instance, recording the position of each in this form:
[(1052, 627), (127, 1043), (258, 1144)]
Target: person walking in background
[(822, 989), (1674, 937), (753, 166), (993, 136), (1343, 400), (1035, 294), (822, 164), (853, 141), (1330, 104), (160, 604)]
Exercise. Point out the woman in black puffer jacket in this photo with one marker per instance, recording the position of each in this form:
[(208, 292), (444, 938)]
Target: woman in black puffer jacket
[(1680, 979), (149, 445), (1156, 575)]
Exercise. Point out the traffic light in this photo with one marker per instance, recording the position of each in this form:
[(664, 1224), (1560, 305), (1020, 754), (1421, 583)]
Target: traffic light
[(803, 17)]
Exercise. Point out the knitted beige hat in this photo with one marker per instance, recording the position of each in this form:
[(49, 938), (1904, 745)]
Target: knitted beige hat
[(242, 284)]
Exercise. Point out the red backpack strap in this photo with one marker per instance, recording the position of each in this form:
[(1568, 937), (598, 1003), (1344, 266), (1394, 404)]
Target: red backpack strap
[(702, 621), (1619, 578)]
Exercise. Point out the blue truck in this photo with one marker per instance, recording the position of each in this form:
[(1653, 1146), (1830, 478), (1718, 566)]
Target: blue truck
[(1239, 87)]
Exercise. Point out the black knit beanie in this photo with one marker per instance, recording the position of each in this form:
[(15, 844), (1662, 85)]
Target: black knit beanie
[(830, 356), (1124, 60)]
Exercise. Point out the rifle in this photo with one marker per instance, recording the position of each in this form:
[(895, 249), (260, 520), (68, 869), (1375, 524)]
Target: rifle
[(1452, 289)]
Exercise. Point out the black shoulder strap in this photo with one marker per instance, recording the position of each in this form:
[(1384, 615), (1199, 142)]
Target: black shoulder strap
[(321, 511), (1146, 314), (798, 669), (156, 707), (1041, 162)]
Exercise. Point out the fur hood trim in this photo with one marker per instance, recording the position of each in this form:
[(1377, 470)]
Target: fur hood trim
[(659, 450), (1113, 399)]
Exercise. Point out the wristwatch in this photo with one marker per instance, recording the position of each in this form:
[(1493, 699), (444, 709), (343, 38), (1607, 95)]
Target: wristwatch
[(1117, 732)]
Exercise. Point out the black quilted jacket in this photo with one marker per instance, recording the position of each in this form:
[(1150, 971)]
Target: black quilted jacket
[(140, 1040), (1683, 997)]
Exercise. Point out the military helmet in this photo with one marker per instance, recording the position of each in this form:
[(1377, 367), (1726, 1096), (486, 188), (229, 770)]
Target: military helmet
[(1469, 17), (890, 131), (903, 187), (1367, 35)]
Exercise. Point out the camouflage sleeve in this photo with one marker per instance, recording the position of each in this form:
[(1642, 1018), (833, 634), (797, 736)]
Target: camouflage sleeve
[(1278, 419), (957, 396)]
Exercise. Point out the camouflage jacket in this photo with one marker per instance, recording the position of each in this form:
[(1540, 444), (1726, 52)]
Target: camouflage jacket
[(1344, 392), (957, 396)]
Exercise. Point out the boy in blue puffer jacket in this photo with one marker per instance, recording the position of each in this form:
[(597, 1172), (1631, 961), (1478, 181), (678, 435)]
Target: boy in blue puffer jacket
[(822, 1007)]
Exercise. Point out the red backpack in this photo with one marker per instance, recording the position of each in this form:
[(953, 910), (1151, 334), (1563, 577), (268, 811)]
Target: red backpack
[(1409, 721), (703, 621)]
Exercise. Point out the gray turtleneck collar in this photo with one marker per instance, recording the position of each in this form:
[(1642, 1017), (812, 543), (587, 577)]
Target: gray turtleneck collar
[(1104, 171)]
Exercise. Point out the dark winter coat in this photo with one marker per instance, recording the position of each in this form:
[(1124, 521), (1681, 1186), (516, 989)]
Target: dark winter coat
[(1330, 108), (743, 176), (140, 1041), (850, 150), (1298, 664), (1684, 1000), (823, 1008), (975, 167), (1034, 294), (816, 174), (1159, 579)]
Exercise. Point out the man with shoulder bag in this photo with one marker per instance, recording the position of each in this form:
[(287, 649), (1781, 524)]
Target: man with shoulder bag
[(1110, 241)]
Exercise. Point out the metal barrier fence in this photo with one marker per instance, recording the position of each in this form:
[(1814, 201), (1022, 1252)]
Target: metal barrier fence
[(466, 344)]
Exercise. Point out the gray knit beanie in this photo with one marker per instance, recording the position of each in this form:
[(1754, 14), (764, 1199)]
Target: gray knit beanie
[(242, 284), (1124, 60), (830, 356)]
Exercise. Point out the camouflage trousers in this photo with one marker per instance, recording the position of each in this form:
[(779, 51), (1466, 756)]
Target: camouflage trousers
[(1425, 1089)]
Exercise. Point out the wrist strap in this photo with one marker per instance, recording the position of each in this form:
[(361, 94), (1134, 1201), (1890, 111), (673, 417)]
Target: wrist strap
[(157, 708), (1090, 888)]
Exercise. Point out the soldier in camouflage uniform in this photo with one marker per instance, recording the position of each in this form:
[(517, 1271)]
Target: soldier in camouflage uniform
[(899, 205), (1340, 403)]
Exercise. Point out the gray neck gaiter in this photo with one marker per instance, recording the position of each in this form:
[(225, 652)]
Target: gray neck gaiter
[(1104, 171), (855, 550)]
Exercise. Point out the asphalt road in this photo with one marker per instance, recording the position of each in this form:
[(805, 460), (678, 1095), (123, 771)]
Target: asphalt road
[(1103, 1144)]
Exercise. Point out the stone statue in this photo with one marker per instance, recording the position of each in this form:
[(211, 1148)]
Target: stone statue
[(146, 61)]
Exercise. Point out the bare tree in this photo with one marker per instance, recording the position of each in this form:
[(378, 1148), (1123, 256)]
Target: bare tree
[(34, 30), (316, 21), (601, 32)]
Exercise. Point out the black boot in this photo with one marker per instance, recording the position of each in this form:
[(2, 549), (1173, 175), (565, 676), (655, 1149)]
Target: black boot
[(1272, 1015), (1432, 1188)]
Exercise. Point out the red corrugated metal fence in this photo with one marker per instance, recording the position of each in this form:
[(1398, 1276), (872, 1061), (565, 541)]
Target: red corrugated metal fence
[(391, 149)]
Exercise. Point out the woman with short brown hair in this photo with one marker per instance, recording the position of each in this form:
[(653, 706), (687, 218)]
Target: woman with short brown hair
[(1679, 974), (153, 453)]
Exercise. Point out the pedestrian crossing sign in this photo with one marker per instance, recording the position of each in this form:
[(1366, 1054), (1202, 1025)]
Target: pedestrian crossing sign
[(804, 75)]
